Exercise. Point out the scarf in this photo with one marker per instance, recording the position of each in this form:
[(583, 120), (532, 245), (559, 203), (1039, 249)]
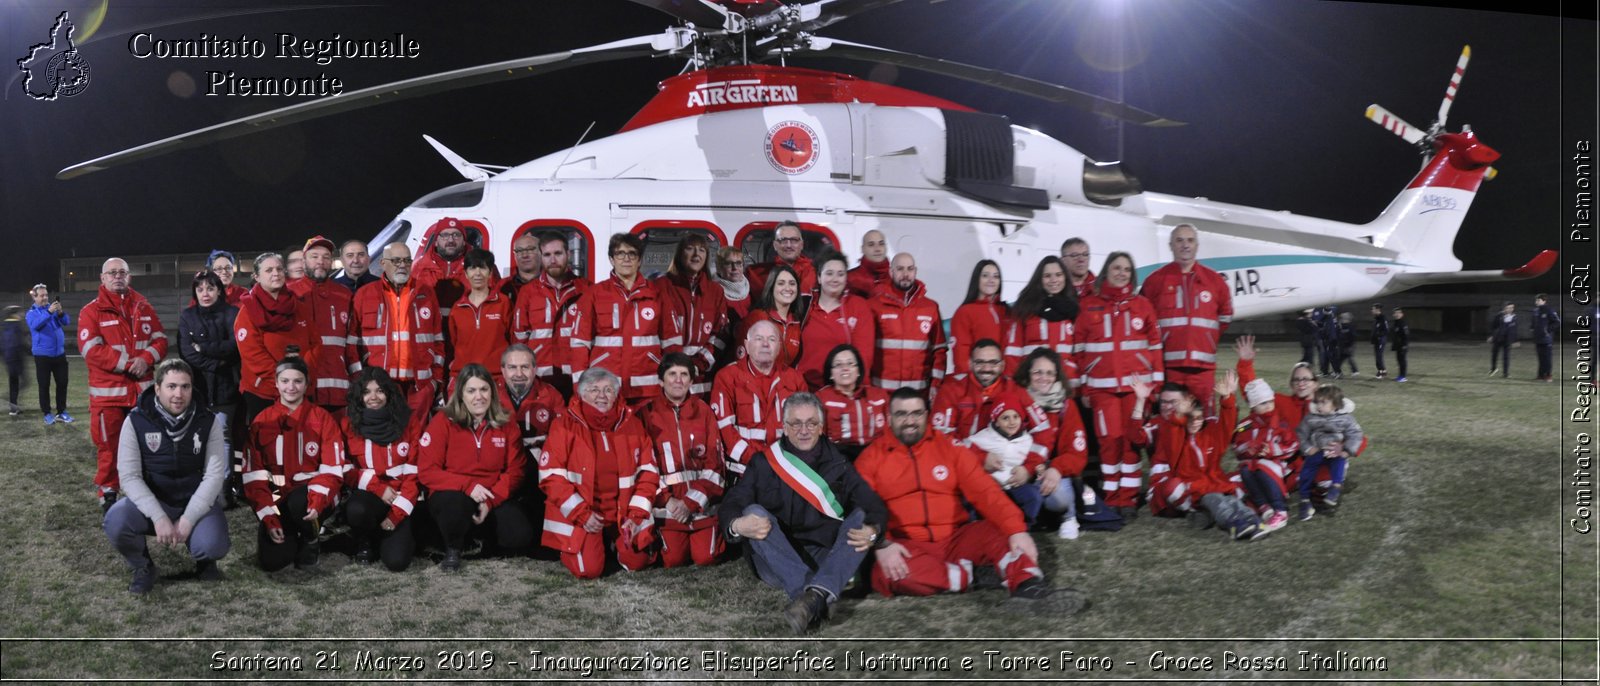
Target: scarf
[(382, 426), (1058, 307), (272, 315), (1051, 400), (597, 420), (175, 426), (735, 290), (1116, 294)]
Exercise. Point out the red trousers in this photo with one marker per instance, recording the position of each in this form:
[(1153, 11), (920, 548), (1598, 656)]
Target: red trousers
[(1201, 382), (590, 560), (946, 566), (105, 429), (1119, 463), (680, 544)]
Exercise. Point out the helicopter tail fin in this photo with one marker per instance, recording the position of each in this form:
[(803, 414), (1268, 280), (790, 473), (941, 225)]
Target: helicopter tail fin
[(1422, 221)]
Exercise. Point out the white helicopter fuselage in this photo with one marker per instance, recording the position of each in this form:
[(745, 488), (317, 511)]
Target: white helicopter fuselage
[(884, 168)]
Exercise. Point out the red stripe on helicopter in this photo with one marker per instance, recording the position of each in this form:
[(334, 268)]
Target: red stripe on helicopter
[(1459, 161)]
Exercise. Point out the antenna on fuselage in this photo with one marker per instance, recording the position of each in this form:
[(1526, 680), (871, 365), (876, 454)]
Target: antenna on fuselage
[(557, 170)]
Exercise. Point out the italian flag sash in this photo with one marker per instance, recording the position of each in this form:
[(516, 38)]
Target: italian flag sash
[(805, 481)]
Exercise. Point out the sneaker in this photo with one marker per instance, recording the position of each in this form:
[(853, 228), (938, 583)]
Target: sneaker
[(107, 499), (986, 577), (1307, 511), (1069, 529), (1033, 589), (1273, 522), (1245, 530), (363, 554), (15, 410), (452, 560), (144, 579), (1332, 498), (64, 418), (1355, 375), (807, 610), (308, 556), (207, 570), (49, 419), (1399, 379), (1494, 371)]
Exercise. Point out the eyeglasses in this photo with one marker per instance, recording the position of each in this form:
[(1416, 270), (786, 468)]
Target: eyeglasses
[(913, 414), (788, 240), (525, 251), (1076, 255), (808, 425), (115, 272), (624, 255), (402, 261)]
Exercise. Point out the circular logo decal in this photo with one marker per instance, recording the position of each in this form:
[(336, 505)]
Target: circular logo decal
[(940, 473), (426, 440), (147, 329), (312, 448), (1079, 443), (927, 326), (241, 335), (852, 321), (648, 313), (403, 449), (792, 147), (426, 313), (1205, 296), (344, 317), (83, 335), (1138, 324), (706, 328), (543, 415)]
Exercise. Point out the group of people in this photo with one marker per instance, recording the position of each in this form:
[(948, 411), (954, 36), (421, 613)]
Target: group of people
[(810, 410), (1328, 339), (1544, 325)]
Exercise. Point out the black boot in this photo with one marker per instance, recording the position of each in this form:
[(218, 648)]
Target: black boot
[(807, 610), (452, 560)]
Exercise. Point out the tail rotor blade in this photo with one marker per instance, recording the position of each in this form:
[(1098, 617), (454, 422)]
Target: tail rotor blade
[(1455, 85), (1394, 124)]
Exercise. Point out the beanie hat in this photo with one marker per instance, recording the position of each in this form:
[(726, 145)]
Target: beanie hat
[(1257, 392)]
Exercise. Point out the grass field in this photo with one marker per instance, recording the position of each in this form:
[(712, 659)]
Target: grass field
[(1456, 531)]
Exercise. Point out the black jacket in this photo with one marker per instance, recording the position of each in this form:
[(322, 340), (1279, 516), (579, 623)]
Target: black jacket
[(802, 523), (1503, 327), (1399, 334), (1545, 325), (1380, 330), (205, 341)]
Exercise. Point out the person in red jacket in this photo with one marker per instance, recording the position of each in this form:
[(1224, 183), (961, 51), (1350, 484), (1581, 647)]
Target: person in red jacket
[(471, 461), (933, 544), (748, 396), (533, 404), (1263, 447), (540, 308), (330, 304), (981, 315), (399, 327), (121, 339), (619, 323), (271, 319), (480, 323), (1194, 305), (697, 307), (526, 265), (381, 445), (442, 265), (789, 243), (1059, 480), (873, 270), (293, 467), (836, 317), (1196, 481), (1043, 317), (779, 304), (911, 344), (1290, 407), (690, 456), (962, 406), (1075, 256), (1118, 346), (599, 477), (856, 413)]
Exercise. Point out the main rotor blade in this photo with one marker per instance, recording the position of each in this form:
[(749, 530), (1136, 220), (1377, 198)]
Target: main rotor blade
[(702, 13), (1455, 85), (1105, 107), (1394, 124), (375, 95), (831, 11)]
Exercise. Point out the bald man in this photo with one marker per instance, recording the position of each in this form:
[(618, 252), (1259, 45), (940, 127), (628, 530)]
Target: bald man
[(874, 269), (121, 340), (911, 344), (1194, 305)]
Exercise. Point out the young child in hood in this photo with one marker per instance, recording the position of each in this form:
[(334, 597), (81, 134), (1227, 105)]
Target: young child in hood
[(1005, 448), (1264, 446), (1328, 435)]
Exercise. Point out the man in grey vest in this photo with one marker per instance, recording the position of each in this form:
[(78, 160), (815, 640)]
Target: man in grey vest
[(172, 463)]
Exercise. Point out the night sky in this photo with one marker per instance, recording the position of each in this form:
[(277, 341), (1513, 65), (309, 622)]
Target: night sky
[(1273, 91)]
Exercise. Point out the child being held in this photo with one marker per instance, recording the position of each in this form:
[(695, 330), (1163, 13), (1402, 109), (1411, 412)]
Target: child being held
[(1005, 449), (1328, 436)]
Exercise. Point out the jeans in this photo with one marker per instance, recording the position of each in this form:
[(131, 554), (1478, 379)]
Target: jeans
[(780, 566), (1027, 499), (126, 526), (47, 368), (1315, 461), (1064, 499)]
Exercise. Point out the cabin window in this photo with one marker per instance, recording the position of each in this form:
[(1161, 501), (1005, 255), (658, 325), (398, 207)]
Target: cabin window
[(467, 194), (580, 241)]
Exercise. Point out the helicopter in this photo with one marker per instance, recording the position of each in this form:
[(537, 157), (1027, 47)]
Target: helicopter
[(741, 140)]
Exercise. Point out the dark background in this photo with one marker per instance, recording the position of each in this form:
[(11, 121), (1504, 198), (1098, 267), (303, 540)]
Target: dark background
[(1273, 91)]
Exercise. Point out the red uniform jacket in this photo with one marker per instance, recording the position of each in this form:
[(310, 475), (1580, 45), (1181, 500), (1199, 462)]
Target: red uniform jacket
[(533, 414), (456, 458), (1071, 452), (911, 343), (749, 408), (961, 408), (481, 333), (1118, 342), (113, 330), (374, 468), (290, 448), (699, 312), (1195, 462), (788, 334), (851, 322), (537, 322), (973, 322), (863, 280), (924, 486), (803, 268), (1193, 310), (337, 358), (1022, 337), (621, 330), (856, 419), (400, 331), (688, 450), (569, 474), (262, 343), (446, 278)]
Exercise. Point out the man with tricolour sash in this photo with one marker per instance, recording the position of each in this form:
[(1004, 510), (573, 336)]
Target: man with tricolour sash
[(806, 515)]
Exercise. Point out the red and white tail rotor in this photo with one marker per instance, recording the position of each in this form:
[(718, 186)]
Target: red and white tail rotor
[(1423, 139)]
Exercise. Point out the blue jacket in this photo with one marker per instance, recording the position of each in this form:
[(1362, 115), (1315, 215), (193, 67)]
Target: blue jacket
[(49, 338)]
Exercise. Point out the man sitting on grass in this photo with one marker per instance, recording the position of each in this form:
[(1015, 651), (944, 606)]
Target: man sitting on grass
[(172, 462)]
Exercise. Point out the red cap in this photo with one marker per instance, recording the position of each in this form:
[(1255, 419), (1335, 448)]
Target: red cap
[(1003, 403), (447, 223), (322, 241)]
